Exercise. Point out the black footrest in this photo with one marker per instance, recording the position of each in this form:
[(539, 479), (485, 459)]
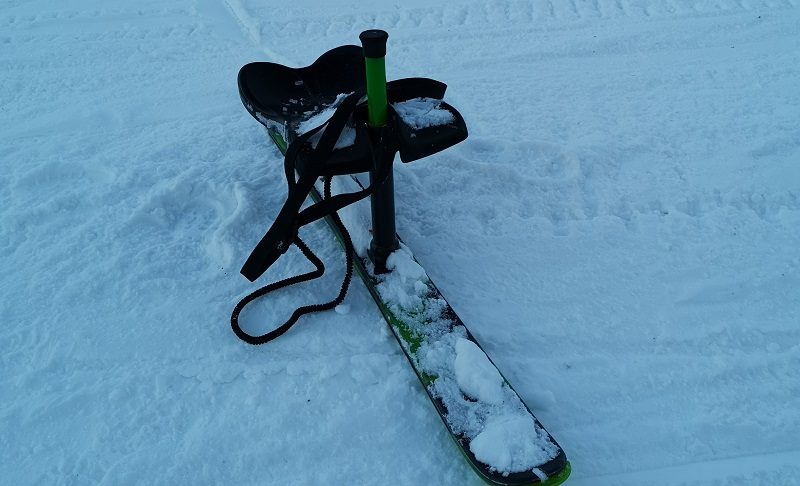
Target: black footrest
[(426, 126)]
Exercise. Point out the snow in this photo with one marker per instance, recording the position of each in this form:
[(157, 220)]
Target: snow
[(423, 113), (510, 443), (502, 433), (619, 232), (480, 406), (476, 375), (348, 136), (405, 285)]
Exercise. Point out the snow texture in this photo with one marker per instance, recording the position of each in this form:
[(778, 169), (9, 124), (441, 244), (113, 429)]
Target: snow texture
[(510, 443), (620, 232), (423, 113), (476, 375), (405, 285), (502, 433), (479, 403)]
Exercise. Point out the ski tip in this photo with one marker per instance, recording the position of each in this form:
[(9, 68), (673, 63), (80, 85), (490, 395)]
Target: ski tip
[(559, 478), (528, 478)]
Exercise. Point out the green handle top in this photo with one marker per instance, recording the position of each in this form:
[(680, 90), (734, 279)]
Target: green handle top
[(374, 44)]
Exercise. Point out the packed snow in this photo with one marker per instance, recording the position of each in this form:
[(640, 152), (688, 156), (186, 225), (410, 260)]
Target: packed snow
[(512, 443), (480, 405), (405, 285), (423, 113), (476, 375), (620, 233)]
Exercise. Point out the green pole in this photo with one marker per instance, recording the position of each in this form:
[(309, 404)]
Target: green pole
[(374, 43)]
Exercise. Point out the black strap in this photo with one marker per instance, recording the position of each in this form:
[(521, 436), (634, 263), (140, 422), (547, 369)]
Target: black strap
[(277, 240), (283, 231), (340, 201), (316, 273)]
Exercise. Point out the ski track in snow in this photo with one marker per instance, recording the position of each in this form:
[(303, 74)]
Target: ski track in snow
[(620, 232)]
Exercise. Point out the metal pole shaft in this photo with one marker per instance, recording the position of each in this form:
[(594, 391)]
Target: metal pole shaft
[(384, 234)]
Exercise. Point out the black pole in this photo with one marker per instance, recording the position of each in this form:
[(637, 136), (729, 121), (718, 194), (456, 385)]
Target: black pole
[(384, 235)]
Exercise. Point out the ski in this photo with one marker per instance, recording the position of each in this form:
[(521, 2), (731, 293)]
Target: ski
[(405, 326), (330, 124)]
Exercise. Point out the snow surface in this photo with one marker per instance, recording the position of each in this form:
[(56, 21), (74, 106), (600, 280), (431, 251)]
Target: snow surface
[(620, 232)]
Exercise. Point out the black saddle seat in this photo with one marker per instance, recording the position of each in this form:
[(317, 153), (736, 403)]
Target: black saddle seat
[(289, 96), (281, 98)]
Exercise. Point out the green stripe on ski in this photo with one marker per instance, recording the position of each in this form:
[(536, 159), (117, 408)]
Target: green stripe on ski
[(412, 339), (279, 141)]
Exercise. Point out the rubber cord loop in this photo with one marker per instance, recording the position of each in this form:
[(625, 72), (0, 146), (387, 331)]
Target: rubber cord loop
[(319, 270)]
